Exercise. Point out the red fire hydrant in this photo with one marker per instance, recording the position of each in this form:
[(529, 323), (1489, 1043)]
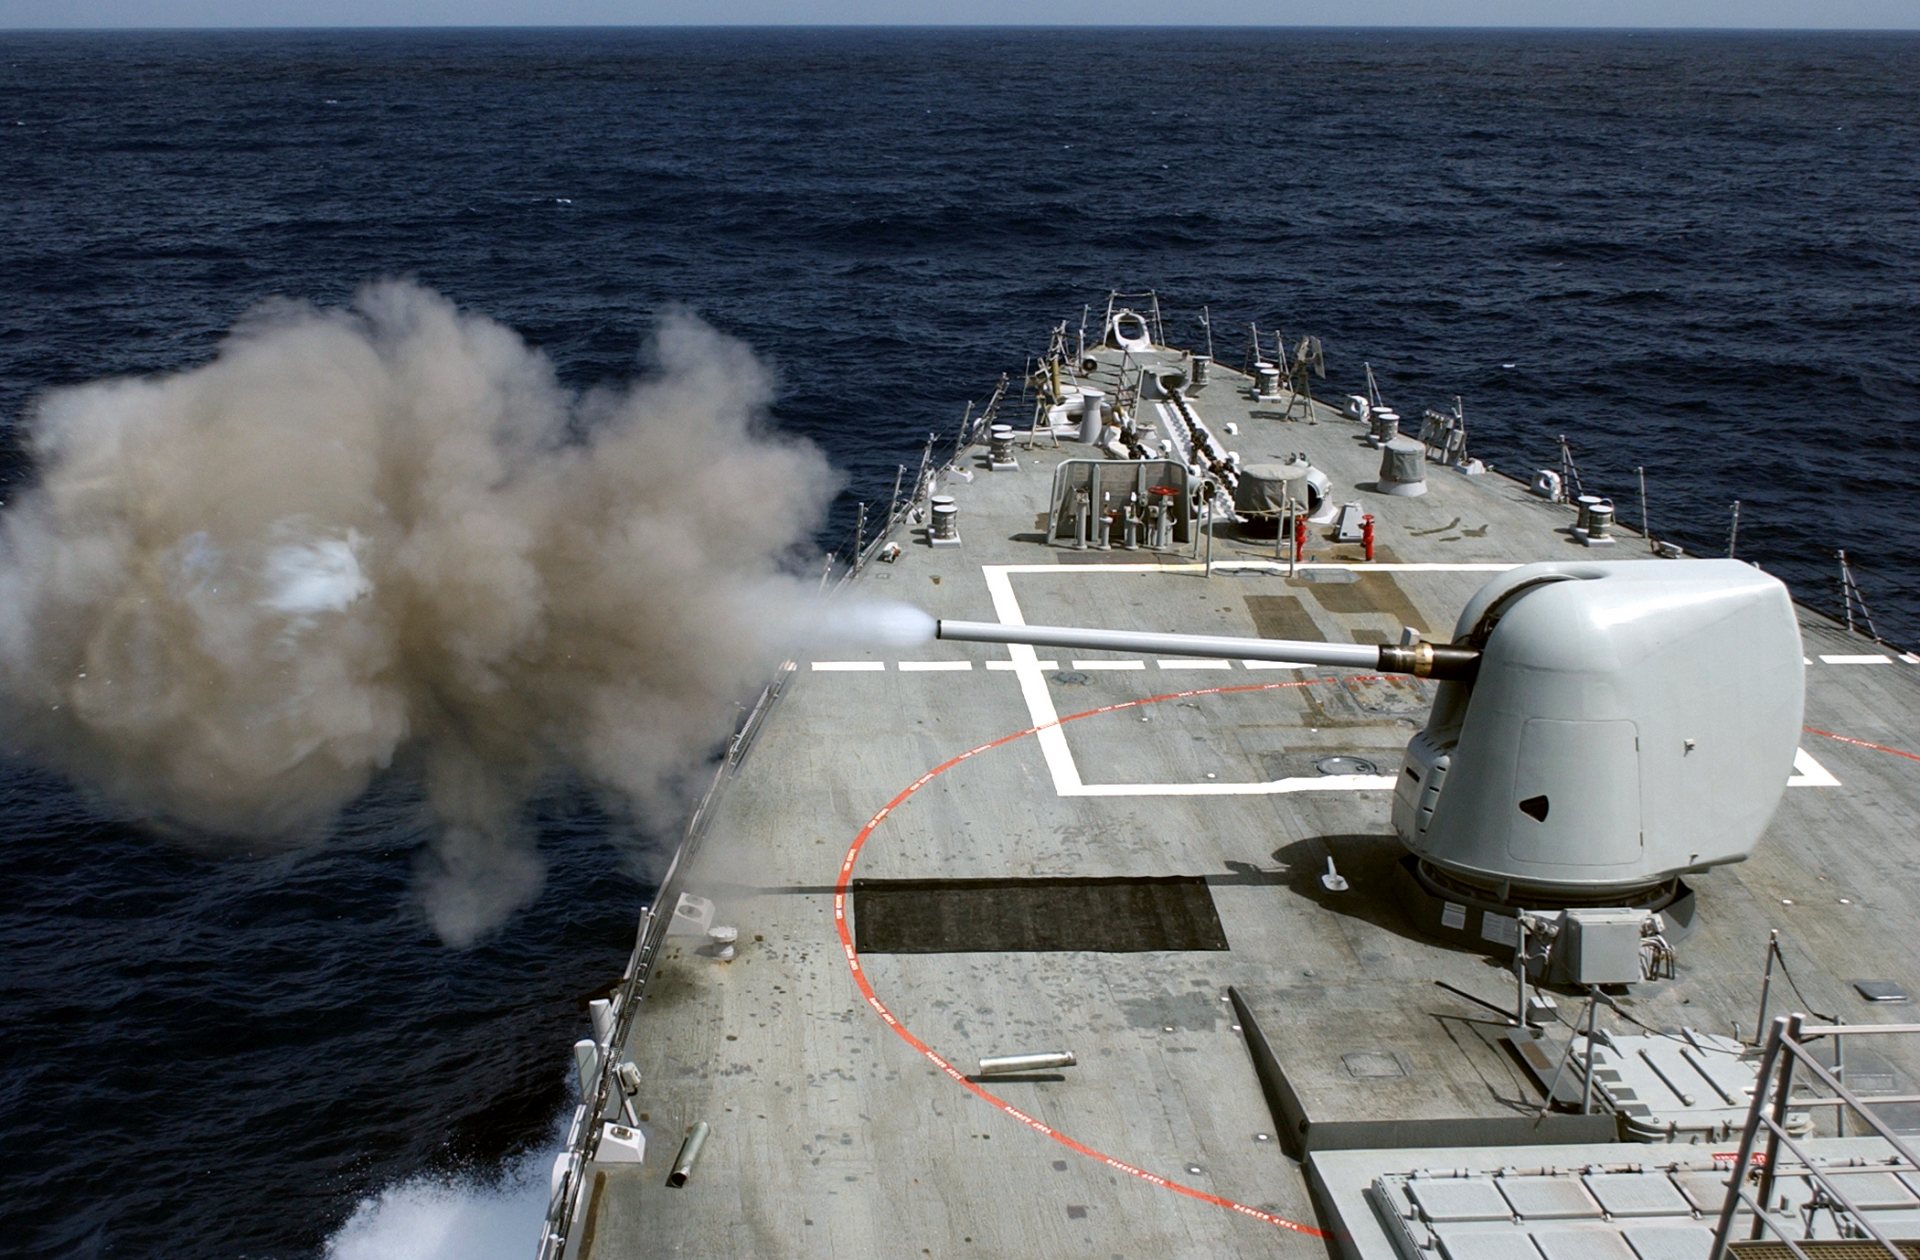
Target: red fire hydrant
[(1299, 535), (1366, 534)]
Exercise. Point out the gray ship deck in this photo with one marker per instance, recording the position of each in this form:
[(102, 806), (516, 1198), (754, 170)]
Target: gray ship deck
[(836, 1130)]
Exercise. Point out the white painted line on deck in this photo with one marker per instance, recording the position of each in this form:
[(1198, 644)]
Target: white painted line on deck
[(1033, 686), (849, 667), (1192, 662), (1809, 773), (1016, 665), (1276, 665), (930, 667), (1910, 658), (1867, 658), (1096, 666)]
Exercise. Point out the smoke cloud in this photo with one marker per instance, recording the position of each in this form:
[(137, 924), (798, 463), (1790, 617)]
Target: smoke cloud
[(388, 535), (863, 622)]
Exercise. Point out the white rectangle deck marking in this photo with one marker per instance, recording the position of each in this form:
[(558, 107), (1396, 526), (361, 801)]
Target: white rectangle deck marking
[(1192, 662), (1030, 671), (929, 667), (1865, 658), (849, 667), (1276, 665), (1910, 658)]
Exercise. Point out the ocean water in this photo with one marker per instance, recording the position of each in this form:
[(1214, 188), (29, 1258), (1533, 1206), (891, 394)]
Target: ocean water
[(1697, 254)]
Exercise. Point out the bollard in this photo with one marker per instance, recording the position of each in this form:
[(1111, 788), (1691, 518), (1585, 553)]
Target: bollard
[(1599, 525), (1000, 447), (944, 527)]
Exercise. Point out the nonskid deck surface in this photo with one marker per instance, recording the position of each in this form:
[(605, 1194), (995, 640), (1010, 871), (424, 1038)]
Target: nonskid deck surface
[(835, 1081)]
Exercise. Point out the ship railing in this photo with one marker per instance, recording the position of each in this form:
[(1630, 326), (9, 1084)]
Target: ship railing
[(858, 548), (1769, 1154), (1149, 298), (655, 922), (604, 1104), (972, 425), (909, 499), (1847, 608)]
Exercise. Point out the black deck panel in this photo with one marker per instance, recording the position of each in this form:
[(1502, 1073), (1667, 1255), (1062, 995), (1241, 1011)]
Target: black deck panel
[(968, 916)]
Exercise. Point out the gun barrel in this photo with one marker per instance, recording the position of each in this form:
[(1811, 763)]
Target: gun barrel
[(1423, 660)]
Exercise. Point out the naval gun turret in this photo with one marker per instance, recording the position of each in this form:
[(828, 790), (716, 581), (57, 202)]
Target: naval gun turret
[(1599, 729)]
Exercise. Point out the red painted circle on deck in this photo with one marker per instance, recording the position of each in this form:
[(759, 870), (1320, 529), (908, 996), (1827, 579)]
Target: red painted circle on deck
[(1861, 743), (959, 1078)]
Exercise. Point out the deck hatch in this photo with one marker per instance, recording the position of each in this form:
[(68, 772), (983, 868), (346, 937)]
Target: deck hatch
[(966, 916)]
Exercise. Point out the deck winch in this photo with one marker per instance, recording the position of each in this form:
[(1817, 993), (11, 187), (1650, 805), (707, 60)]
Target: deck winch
[(1600, 728)]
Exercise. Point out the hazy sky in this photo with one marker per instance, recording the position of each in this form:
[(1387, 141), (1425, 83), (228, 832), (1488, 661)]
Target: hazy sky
[(1869, 14)]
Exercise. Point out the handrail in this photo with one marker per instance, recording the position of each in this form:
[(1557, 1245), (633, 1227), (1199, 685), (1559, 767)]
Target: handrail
[(1786, 1052), (584, 1134), (583, 1137)]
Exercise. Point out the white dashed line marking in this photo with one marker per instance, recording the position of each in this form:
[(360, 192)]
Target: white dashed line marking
[(1094, 666), (1196, 662), (849, 667), (1870, 658), (930, 667)]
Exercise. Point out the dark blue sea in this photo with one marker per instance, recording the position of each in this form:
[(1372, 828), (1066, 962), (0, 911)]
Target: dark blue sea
[(1692, 253)]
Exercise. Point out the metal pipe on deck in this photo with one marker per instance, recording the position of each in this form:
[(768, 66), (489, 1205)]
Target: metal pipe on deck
[(689, 1152), (1445, 661), (1000, 1065)]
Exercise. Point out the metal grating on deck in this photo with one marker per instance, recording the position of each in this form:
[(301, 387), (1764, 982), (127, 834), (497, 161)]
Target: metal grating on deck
[(1827, 1249)]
